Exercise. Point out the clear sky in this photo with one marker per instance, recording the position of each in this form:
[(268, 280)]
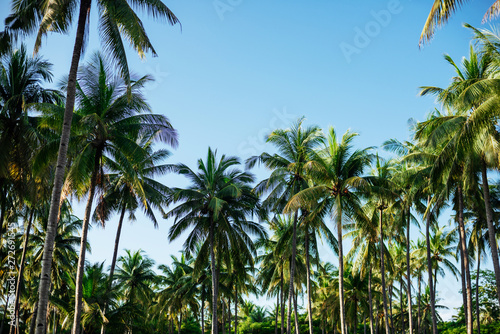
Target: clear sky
[(240, 68)]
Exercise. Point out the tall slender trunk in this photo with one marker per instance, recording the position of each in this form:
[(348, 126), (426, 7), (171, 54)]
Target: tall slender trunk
[(229, 314), (180, 323), (418, 305), (236, 297), (401, 304), (223, 316), (435, 281), (382, 273), (296, 313), (308, 269), (408, 276), (462, 276), (214, 278), (202, 313), (370, 301), (276, 315), (282, 292), (478, 314), (341, 266), (20, 277), (429, 270), (48, 249), (33, 320), (491, 227), (391, 322), (83, 248), (292, 272), (113, 262), (466, 258)]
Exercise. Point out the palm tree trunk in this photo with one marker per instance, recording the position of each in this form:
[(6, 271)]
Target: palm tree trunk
[(236, 310), (478, 314), (229, 314), (282, 306), (491, 227), (113, 262), (83, 248), (308, 269), (296, 313), (401, 304), (370, 301), (292, 273), (429, 270), (382, 273), (462, 276), (223, 316), (21, 271), (276, 315), (48, 249), (418, 305), (408, 276), (202, 313), (34, 319), (466, 259), (214, 279), (391, 288), (180, 323), (341, 267)]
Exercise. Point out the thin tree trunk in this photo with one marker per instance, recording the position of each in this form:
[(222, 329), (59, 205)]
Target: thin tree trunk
[(229, 314), (180, 323), (370, 301), (382, 273), (429, 270), (292, 272), (223, 316), (48, 249), (33, 320), (20, 277), (435, 281), (296, 313), (202, 313), (478, 314), (466, 259), (408, 276), (341, 267), (214, 279), (276, 315), (308, 269), (491, 227), (364, 323), (418, 301), (391, 322), (282, 306), (83, 248), (462, 276), (236, 310), (113, 262)]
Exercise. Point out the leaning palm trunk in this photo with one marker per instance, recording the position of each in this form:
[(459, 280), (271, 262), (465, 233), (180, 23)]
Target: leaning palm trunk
[(382, 274), (296, 312), (491, 227), (20, 274), (370, 301), (48, 249), (341, 267), (429, 270), (418, 300), (462, 277), (83, 247), (282, 292), (309, 310), (276, 315), (465, 255), (113, 263), (214, 280), (408, 277), (292, 273), (236, 297)]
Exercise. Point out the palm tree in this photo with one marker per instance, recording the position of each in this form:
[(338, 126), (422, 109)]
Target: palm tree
[(295, 149), (442, 10), (131, 188), (108, 121), (216, 204), (116, 18), (337, 174)]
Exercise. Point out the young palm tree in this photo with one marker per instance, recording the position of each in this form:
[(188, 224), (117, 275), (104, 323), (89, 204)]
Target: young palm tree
[(116, 19), (337, 173), (216, 205), (288, 177), (108, 121)]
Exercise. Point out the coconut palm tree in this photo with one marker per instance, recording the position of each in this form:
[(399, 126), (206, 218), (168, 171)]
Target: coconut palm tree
[(295, 149), (116, 19), (338, 176), (216, 206), (109, 119)]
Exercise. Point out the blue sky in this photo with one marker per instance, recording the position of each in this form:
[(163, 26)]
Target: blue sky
[(239, 69)]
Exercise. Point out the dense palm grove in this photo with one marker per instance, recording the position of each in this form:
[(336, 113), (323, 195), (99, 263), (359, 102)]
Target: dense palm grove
[(96, 139)]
